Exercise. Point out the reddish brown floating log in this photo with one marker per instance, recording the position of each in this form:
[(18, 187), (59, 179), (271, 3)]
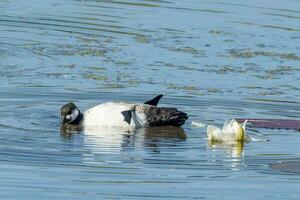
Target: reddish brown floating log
[(272, 123)]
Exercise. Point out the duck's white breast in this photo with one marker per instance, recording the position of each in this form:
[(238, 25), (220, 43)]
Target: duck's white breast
[(107, 114)]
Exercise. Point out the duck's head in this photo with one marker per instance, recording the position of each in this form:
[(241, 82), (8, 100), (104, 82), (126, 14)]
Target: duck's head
[(70, 114)]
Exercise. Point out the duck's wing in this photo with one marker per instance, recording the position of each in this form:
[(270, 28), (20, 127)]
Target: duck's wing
[(154, 101), (156, 116)]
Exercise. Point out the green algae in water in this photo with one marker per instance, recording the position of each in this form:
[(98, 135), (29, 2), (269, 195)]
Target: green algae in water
[(133, 82), (269, 92), (142, 39), (98, 69), (219, 32), (95, 77), (35, 85), (71, 66), (248, 53), (227, 69), (123, 63), (251, 87), (189, 87), (278, 72), (181, 67), (170, 65), (282, 70), (213, 90), (55, 74), (114, 85), (189, 50), (92, 52), (266, 76), (185, 87)]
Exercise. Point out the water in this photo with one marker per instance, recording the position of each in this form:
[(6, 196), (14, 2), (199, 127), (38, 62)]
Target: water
[(215, 60)]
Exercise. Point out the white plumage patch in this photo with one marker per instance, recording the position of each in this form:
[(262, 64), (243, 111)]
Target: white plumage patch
[(110, 114)]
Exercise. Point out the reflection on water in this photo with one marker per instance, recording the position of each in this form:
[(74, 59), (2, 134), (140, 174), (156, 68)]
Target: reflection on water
[(115, 139), (215, 60), (234, 150)]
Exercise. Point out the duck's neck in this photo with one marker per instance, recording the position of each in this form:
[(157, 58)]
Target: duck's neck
[(78, 119)]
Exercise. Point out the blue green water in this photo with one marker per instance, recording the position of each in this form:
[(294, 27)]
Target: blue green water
[(215, 60)]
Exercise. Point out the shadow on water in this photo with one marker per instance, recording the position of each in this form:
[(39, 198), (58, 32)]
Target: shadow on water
[(121, 138)]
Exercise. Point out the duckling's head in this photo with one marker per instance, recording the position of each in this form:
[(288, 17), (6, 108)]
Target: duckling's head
[(70, 114)]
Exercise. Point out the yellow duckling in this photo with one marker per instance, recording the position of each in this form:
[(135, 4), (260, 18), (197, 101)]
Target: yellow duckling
[(232, 132)]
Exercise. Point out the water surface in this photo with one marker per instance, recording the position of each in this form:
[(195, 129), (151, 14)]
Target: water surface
[(215, 60)]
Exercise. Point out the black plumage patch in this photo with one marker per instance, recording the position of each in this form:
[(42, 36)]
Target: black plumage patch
[(127, 116), (154, 101)]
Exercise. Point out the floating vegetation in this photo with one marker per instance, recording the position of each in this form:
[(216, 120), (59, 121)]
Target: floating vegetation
[(248, 53), (277, 72), (213, 90), (215, 32), (142, 39), (170, 65), (226, 69), (92, 52), (218, 32), (133, 82), (186, 87), (113, 85), (181, 67), (155, 69), (194, 89), (94, 77), (189, 50), (270, 92), (189, 87), (71, 66), (55, 74), (97, 69), (265, 76), (282, 70), (251, 87), (34, 85), (262, 91), (67, 50), (123, 63)]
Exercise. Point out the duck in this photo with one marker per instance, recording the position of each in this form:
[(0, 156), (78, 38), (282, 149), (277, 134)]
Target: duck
[(231, 132), (123, 114)]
